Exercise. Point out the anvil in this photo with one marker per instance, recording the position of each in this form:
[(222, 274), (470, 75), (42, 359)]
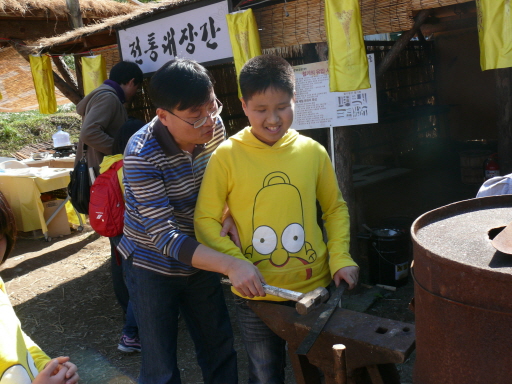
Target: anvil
[(373, 344)]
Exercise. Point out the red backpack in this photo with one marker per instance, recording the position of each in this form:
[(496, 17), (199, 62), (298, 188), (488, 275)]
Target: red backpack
[(106, 205)]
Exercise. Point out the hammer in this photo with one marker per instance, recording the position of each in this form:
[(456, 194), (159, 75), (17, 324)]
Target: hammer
[(306, 302)]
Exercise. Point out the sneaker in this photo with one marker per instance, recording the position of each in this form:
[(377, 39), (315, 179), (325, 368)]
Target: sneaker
[(127, 344)]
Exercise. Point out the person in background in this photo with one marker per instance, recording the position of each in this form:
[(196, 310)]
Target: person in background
[(21, 360), (129, 341), (169, 272), (271, 178), (103, 112)]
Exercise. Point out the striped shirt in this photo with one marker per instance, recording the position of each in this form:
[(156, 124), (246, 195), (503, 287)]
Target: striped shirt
[(161, 187)]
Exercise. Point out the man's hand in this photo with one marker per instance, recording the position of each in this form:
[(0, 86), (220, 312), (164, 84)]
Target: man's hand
[(229, 228), (349, 274), (246, 278)]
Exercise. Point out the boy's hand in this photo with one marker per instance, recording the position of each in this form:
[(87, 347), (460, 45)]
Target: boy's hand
[(71, 375), (246, 278), (229, 228), (51, 374), (349, 274)]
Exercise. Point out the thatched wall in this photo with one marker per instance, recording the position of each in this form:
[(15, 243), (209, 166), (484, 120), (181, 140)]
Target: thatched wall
[(16, 83)]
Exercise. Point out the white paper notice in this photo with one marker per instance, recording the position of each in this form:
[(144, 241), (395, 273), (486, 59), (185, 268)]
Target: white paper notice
[(316, 107)]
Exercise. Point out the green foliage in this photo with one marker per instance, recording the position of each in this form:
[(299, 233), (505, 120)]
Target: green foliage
[(17, 130), (70, 61)]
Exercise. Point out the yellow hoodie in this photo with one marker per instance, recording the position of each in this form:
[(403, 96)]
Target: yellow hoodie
[(20, 358), (271, 192)]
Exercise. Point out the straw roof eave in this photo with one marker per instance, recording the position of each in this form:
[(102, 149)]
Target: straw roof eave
[(53, 9), (105, 28)]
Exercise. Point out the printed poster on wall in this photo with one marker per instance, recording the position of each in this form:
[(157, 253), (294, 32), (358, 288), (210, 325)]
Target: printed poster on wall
[(200, 33), (316, 107)]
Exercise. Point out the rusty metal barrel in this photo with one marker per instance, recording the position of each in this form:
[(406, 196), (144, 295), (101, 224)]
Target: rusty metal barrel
[(463, 294)]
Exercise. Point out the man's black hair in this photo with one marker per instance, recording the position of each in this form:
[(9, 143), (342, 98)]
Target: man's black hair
[(124, 71), (124, 134), (180, 84), (266, 71)]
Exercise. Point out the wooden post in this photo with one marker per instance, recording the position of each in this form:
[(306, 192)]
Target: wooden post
[(64, 87), (64, 71), (343, 163), (504, 118), (79, 78), (402, 42), (75, 15)]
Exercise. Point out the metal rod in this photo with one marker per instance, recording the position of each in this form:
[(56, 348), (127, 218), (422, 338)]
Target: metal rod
[(340, 363)]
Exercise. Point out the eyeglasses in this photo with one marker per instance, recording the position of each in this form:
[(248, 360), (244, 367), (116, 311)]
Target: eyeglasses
[(199, 123)]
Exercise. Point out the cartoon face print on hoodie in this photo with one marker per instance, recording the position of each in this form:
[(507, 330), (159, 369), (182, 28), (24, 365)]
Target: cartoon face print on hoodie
[(278, 235)]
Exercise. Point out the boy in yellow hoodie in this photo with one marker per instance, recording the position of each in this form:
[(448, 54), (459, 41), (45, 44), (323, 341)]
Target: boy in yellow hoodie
[(270, 176)]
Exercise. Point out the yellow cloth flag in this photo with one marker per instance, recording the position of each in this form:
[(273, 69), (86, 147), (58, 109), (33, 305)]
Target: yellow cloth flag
[(94, 72), (348, 65), (1, 97), (244, 37), (495, 33), (42, 74)]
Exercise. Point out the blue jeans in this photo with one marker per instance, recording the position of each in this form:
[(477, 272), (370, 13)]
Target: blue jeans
[(130, 328), (266, 351), (157, 301)]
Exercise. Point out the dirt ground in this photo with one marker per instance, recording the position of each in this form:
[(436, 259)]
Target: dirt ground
[(62, 293)]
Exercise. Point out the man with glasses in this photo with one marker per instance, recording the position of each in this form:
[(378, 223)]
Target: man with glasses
[(168, 271)]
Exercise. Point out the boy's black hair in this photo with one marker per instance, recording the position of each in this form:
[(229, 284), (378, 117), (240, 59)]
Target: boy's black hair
[(7, 226), (180, 84), (124, 134), (266, 71), (124, 71)]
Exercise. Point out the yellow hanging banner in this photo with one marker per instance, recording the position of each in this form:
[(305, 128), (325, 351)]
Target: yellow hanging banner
[(42, 74), (495, 33), (1, 97), (94, 72), (348, 65), (244, 37)]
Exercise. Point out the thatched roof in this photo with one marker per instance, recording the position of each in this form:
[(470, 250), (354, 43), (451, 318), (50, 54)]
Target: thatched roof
[(52, 9), (102, 33)]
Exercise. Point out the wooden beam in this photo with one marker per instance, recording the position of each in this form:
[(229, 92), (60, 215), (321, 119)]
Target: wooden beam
[(32, 30), (504, 118), (402, 42), (75, 14), (449, 25), (66, 89), (65, 72), (79, 78)]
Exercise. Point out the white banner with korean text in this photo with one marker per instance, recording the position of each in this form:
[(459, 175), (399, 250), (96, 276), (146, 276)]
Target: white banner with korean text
[(200, 34), (316, 107)]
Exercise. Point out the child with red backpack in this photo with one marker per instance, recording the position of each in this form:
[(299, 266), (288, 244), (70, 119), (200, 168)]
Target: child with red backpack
[(106, 215)]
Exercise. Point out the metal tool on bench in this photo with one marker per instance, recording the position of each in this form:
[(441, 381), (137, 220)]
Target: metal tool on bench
[(306, 302), (322, 319)]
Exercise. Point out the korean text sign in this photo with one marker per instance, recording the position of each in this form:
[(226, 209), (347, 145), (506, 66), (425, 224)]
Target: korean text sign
[(317, 107), (200, 34)]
